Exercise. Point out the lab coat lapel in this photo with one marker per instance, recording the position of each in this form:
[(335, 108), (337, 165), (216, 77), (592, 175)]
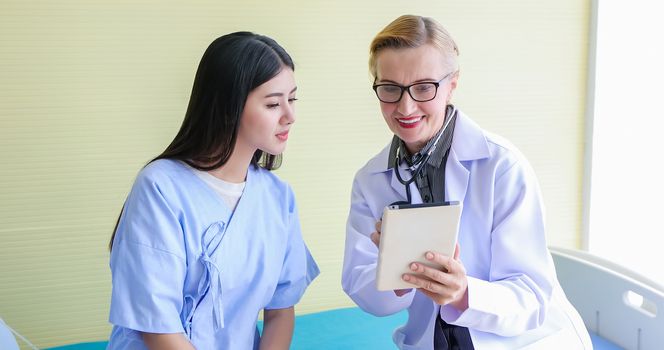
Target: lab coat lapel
[(456, 179), (469, 144), (382, 164)]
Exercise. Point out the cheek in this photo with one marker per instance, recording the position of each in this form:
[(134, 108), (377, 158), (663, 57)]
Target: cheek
[(251, 126), (255, 119), (443, 95), (387, 109), (435, 106)]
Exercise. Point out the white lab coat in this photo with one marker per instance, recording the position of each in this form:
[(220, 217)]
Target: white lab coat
[(514, 297)]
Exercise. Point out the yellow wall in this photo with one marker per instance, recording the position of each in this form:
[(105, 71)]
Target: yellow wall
[(89, 91)]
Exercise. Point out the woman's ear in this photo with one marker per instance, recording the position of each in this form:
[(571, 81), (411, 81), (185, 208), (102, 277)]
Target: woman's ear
[(454, 79)]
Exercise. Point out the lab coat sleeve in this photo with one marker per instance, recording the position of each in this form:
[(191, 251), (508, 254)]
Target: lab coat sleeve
[(299, 268), (360, 259), (521, 277), (147, 263)]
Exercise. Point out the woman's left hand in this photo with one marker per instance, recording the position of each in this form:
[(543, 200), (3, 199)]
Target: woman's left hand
[(449, 285)]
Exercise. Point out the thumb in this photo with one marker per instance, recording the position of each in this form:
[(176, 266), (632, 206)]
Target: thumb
[(457, 251)]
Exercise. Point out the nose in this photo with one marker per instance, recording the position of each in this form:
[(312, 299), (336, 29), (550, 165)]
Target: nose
[(406, 106), (289, 114)]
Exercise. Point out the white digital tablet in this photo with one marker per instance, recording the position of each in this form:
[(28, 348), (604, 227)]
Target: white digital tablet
[(408, 232)]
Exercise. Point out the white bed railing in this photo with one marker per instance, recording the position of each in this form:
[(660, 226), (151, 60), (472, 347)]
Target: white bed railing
[(616, 303)]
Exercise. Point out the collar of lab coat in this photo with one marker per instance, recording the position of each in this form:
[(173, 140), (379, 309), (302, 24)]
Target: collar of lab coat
[(469, 143)]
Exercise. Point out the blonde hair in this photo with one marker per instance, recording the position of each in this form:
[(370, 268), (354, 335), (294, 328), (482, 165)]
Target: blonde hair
[(409, 31)]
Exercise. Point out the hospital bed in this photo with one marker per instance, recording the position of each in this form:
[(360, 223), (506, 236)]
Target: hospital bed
[(617, 305), (620, 308)]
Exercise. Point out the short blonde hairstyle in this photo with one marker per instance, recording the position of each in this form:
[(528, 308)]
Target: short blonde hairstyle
[(409, 31)]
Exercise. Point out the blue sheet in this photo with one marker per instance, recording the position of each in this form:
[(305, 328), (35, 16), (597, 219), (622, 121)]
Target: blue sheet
[(600, 343), (348, 328)]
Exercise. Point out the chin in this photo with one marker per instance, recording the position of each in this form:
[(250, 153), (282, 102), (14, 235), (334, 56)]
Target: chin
[(410, 137), (274, 150)]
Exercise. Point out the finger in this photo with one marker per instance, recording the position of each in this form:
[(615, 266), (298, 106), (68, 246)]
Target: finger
[(439, 259), (379, 224), (422, 283), (431, 273), (439, 299), (457, 251), (437, 292), (433, 296), (400, 292), (375, 238)]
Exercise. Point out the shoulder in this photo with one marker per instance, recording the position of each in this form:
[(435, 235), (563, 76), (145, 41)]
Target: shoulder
[(269, 179), (379, 163), (506, 161), (273, 185), (501, 147), (166, 176), (473, 143), (163, 169), (506, 153)]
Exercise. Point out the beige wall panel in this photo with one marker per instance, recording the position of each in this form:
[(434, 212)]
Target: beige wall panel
[(89, 91)]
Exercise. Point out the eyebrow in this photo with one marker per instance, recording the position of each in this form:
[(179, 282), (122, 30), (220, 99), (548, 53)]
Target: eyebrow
[(278, 94), (425, 80)]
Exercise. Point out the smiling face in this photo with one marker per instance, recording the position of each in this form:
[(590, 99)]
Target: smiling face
[(415, 122), (268, 115)]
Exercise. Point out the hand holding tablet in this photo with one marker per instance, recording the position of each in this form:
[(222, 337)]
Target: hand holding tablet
[(407, 233)]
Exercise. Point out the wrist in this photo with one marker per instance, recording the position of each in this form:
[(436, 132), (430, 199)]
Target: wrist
[(462, 303)]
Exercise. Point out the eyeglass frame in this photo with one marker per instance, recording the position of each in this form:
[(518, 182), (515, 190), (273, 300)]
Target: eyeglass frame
[(407, 88)]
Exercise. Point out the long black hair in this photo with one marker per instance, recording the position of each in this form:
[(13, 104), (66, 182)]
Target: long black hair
[(231, 67)]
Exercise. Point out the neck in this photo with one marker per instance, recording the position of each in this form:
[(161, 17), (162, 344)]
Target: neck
[(235, 169), (413, 148)]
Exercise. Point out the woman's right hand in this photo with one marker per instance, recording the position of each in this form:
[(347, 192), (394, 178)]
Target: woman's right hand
[(375, 238)]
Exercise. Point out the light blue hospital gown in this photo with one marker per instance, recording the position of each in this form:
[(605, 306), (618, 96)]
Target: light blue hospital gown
[(183, 262)]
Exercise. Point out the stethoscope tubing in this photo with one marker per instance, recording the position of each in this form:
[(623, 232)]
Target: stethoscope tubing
[(417, 168)]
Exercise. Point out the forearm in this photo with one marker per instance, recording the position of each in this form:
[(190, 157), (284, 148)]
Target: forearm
[(170, 341), (277, 329), (506, 308), (360, 285), (358, 278)]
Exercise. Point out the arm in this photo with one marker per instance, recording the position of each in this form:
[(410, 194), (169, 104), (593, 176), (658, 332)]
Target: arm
[(170, 341), (513, 295), (360, 260), (277, 329), (148, 263), (298, 270)]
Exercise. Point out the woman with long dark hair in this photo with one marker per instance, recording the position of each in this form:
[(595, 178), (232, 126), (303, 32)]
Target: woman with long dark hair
[(208, 236)]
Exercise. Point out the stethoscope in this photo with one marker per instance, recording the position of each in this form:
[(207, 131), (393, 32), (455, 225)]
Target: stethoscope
[(419, 160)]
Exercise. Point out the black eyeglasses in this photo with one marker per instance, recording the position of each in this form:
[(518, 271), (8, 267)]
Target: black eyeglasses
[(420, 92)]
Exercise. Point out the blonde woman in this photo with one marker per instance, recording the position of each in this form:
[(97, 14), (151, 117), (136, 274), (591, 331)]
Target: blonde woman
[(499, 290)]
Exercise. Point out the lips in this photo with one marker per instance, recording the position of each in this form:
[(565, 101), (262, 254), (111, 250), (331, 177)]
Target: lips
[(410, 122), (283, 136)]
